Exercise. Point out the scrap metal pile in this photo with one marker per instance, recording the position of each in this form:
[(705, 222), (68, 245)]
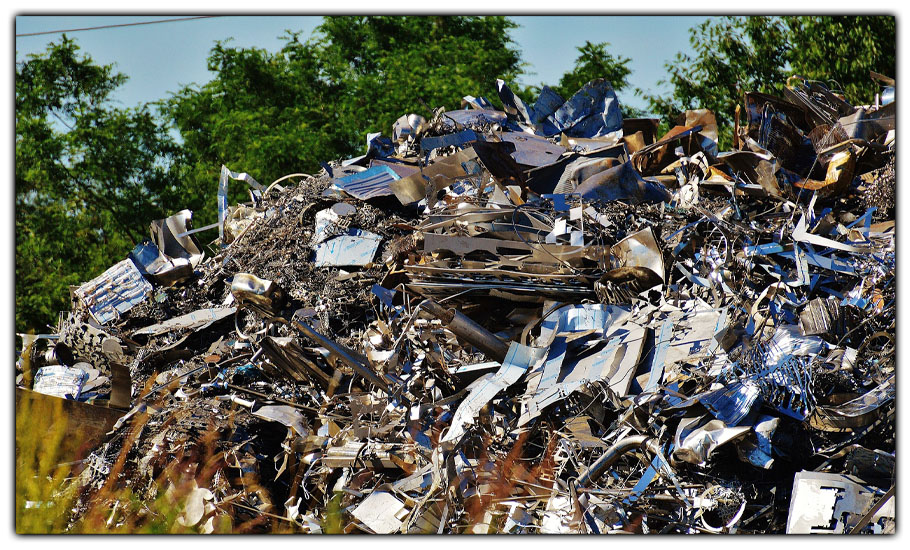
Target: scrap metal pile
[(537, 319)]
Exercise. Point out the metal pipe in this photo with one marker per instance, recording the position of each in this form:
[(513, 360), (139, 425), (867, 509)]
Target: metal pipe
[(350, 358), (466, 329), (613, 454)]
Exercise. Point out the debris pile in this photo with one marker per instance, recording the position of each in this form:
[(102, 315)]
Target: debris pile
[(537, 319)]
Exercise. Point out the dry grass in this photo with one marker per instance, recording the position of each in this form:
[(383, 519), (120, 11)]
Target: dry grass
[(48, 489)]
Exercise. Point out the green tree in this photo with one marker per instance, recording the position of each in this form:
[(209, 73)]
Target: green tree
[(594, 61), (273, 114), (89, 176), (269, 114), (734, 55), (841, 50), (392, 65)]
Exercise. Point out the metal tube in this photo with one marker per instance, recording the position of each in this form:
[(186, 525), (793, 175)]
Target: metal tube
[(466, 329), (349, 357), (618, 449)]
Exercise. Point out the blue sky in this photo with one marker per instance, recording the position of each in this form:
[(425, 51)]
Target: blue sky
[(160, 58)]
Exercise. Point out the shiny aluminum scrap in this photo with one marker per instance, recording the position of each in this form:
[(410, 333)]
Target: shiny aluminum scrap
[(543, 318)]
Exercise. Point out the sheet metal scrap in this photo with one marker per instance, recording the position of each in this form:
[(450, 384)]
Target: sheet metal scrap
[(535, 319)]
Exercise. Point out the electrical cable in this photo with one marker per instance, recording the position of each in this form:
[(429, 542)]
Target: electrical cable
[(119, 25)]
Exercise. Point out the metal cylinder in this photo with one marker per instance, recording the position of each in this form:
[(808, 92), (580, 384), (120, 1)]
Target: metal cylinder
[(466, 329), (618, 449)]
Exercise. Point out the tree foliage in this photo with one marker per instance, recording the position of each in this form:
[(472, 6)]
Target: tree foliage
[(841, 50), (734, 55), (730, 56), (273, 114), (86, 173), (594, 61), (391, 65), (265, 113)]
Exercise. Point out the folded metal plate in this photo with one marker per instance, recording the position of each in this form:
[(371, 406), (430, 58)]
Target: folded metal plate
[(615, 364), (830, 503), (639, 250), (622, 183), (457, 139), (381, 512), (440, 174), (60, 381), (696, 438), (196, 319), (114, 292), (357, 248), (531, 150), (518, 360), (373, 182)]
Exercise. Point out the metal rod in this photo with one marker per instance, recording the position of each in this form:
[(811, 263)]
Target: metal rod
[(197, 230), (266, 397), (864, 521), (350, 358)]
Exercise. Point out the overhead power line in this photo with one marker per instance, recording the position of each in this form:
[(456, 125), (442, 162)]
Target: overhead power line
[(119, 25)]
